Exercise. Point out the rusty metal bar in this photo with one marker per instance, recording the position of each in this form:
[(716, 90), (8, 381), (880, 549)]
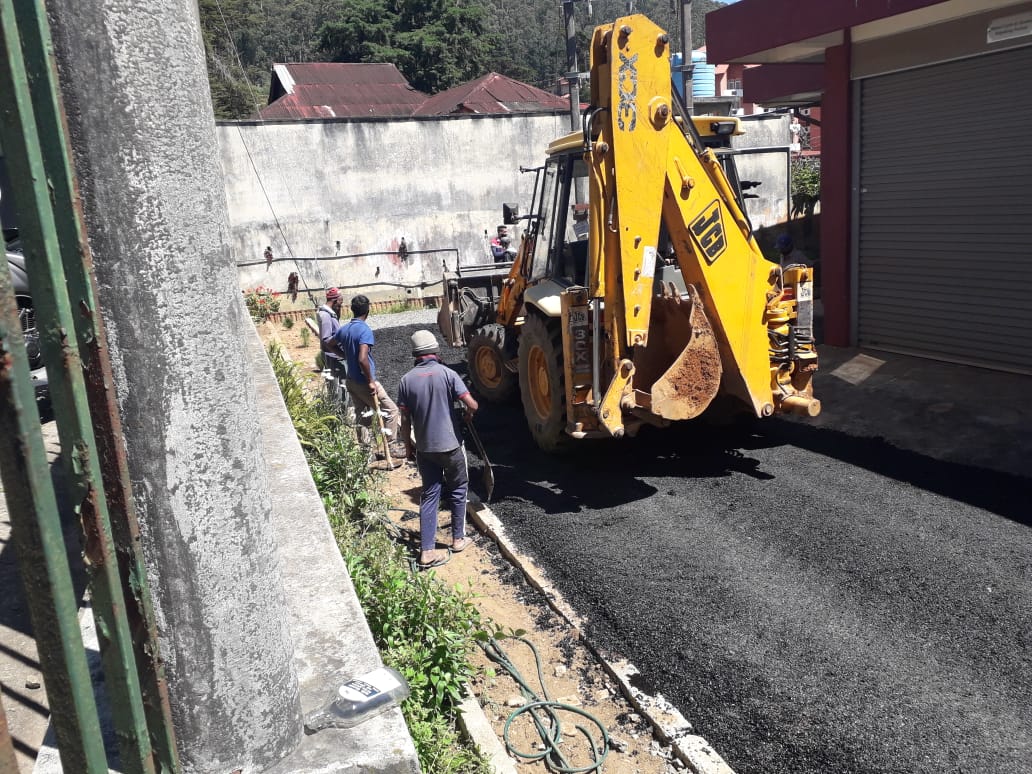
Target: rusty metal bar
[(92, 344), (8, 763), (36, 535), (20, 137)]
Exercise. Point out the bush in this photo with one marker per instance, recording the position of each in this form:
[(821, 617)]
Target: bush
[(288, 323), (806, 184), (261, 301)]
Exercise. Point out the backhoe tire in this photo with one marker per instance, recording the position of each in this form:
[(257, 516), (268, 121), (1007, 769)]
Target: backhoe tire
[(486, 357), (542, 383)]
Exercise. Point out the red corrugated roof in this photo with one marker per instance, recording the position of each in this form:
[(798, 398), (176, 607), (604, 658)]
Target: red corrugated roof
[(336, 89), (492, 93), (344, 73)]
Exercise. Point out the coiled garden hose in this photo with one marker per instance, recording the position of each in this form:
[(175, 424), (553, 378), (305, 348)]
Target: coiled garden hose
[(545, 712)]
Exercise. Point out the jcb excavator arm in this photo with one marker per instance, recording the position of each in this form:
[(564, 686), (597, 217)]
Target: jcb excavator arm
[(738, 318)]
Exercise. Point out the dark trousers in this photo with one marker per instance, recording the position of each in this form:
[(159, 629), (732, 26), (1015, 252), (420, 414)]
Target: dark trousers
[(448, 471)]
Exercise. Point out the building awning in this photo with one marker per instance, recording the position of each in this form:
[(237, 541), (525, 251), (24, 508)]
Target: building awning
[(784, 84), (762, 31), (788, 38)]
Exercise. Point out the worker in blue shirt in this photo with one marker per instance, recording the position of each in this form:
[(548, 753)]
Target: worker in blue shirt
[(355, 341), (425, 398)]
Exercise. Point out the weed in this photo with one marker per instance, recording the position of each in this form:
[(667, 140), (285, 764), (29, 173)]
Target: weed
[(306, 337), (397, 307), (288, 323), (423, 629)]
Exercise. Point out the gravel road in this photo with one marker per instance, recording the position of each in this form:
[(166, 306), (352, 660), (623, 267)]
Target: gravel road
[(811, 601)]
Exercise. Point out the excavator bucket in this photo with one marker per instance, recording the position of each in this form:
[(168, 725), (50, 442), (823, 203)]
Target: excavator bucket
[(688, 353)]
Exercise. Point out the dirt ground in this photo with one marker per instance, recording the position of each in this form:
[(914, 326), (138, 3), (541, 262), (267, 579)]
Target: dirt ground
[(571, 673)]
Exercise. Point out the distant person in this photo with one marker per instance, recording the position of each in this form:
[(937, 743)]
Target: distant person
[(268, 256), (329, 322), (580, 221), (292, 282), (425, 397), (500, 245), (355, 341), (788, 252)]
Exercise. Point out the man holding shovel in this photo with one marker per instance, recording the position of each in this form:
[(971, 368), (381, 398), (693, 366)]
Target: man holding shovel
[(355, 340), (425, 399)]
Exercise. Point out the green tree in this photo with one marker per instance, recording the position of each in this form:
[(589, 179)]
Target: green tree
[(230, 43), (435, 44), (534, 50), (243, 38)]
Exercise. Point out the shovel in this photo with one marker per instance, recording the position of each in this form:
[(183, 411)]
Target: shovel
[(488, 472), (383, 435)]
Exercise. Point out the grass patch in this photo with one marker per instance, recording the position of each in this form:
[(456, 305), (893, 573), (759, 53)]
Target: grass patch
[(423, 629)]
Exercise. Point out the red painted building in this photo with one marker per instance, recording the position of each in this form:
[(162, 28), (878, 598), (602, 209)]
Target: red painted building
[(926, 188)]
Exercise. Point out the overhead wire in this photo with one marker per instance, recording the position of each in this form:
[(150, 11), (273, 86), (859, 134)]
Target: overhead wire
[(250, 158)]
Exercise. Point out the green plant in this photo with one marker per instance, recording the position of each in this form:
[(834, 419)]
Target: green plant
[(261, 302), (806, 184), (423, 629), (397, 307), (306, 337), (288, 323)]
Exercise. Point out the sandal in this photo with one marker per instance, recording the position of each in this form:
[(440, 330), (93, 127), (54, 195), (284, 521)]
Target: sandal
[(439, 561), (460, 545)]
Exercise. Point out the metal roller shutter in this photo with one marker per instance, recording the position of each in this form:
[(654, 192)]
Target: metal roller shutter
[(945, 230)]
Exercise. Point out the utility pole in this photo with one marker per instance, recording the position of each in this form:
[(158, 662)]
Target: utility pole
[(572, 74), (686, 53), (573, 78), (199, 482)]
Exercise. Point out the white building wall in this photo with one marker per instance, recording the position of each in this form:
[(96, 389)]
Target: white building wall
[(438, 183)]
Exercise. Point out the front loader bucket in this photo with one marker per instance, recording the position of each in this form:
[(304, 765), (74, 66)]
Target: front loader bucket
[(691, 380)]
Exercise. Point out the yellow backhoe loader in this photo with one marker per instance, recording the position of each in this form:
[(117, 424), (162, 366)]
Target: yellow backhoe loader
[(643, 303)]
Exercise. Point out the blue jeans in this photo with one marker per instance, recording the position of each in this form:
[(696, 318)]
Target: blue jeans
[(442, 470)]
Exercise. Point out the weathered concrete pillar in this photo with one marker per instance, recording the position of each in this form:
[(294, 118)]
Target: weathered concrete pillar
[(136, 93)]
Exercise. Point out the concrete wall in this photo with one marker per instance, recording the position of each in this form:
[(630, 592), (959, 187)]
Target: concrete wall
[(438, 183), (335, 198), (769, 212)]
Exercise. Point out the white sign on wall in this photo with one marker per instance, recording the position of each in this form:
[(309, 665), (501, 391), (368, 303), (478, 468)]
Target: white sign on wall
[(1017, 26)]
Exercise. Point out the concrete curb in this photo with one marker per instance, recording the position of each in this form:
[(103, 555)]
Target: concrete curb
[(473, 721), (667, 722)]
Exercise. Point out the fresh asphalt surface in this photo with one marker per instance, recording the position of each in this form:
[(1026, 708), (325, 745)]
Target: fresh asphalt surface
[(810, 601)]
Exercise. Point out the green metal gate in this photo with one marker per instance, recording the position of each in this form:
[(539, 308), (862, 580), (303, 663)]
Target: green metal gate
[(32, 132)]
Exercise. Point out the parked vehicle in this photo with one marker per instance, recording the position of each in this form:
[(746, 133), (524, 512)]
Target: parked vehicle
[(27, 316)]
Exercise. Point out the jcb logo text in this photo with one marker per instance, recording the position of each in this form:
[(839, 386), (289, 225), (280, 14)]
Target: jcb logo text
[(627, 84), (708, 230)]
